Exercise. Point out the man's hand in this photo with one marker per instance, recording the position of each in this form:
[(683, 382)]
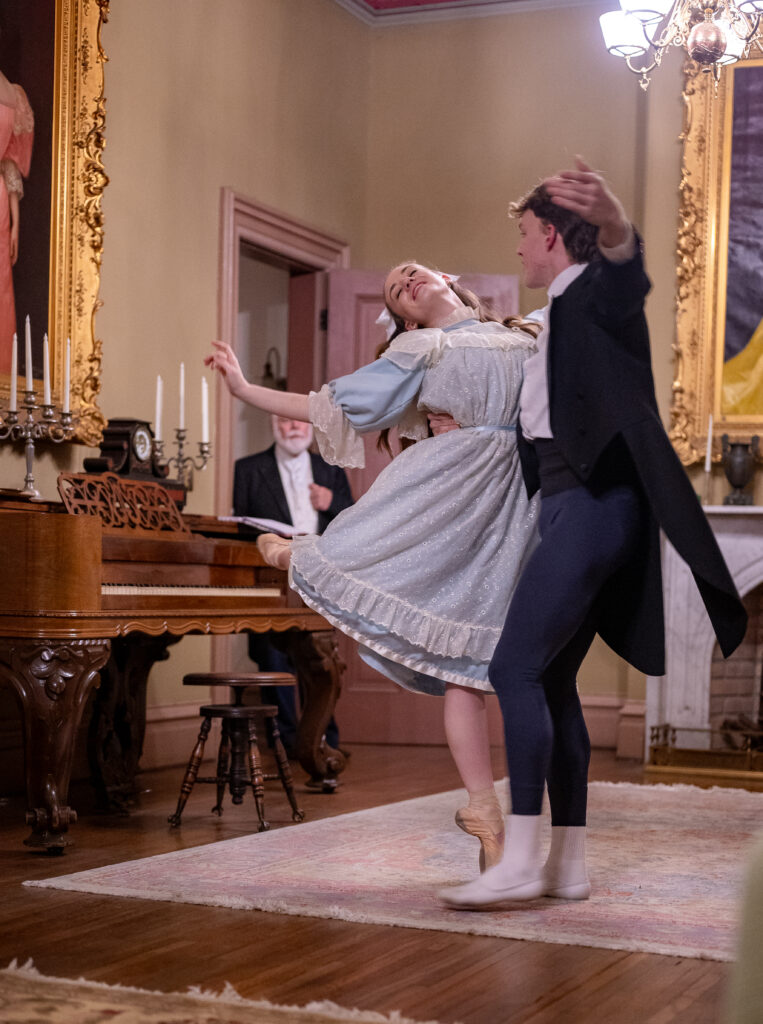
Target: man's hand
[(320, 497), (441, 423), (585, 192)]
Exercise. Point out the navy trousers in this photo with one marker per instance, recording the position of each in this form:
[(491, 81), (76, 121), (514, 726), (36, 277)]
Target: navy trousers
[(587, 534)]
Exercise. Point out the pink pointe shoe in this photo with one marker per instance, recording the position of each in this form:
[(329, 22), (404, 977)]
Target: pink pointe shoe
[(488, 829), (275, 550)]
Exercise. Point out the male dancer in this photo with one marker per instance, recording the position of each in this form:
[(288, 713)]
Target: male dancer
[(592, 441)]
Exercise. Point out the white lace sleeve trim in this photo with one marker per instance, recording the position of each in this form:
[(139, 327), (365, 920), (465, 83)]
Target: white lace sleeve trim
[(339, 443), (12, 176)]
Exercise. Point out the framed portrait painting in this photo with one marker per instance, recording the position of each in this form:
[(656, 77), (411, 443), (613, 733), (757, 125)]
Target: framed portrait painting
[(719, 337), (51, 57)]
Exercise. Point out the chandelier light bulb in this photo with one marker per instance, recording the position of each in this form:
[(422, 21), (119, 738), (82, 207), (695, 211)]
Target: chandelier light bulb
[(623, 34), (734, 43)]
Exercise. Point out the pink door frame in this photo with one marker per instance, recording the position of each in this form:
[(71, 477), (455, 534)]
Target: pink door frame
[(281, 239)]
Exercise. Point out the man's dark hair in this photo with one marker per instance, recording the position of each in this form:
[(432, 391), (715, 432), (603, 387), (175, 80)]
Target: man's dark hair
[(578, 235)]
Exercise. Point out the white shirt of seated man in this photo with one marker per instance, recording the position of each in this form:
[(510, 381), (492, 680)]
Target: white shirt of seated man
[(304, 497)]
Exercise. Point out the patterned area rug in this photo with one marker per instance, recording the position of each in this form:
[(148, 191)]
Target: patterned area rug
[(28, 997), (666, 864)]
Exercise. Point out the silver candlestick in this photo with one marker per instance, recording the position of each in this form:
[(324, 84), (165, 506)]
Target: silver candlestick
[(48, 426), (184, 464)]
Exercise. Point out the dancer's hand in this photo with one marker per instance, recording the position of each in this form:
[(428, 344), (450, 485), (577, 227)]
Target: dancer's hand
[(224, 360), (441, 423), (320, 497), (585, 192)]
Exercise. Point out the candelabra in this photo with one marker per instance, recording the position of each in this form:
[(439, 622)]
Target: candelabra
[(48, 426), (185, 464)]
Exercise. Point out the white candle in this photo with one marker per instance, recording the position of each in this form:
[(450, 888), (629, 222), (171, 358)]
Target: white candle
[(45, 370), (67, 377), (181, 424), (204, 411), (158, 414), (709, 450), (14, 372), (28, 355)]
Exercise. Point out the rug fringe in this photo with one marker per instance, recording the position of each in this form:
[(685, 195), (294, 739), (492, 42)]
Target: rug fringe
[(229, 995)]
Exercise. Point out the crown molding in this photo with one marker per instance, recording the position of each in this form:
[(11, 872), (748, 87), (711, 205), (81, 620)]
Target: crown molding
[(452, 10)]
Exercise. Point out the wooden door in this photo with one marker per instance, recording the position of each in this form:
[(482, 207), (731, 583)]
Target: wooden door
[(372, 709)]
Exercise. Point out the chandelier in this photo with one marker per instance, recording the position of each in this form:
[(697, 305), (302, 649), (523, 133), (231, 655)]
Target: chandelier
[(713, 32)]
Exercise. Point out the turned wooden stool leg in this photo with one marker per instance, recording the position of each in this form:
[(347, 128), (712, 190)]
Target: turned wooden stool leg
[(223, 762), (258, 783), (284, 769), (191, 772), (238, 776)]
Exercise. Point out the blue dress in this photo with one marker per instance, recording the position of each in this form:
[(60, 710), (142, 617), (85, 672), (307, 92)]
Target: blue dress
[(420, 571)]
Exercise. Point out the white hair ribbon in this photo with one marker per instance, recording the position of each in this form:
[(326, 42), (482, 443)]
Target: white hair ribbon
[(386, 319)]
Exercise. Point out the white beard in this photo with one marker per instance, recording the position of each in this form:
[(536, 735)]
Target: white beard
[(294, 445)]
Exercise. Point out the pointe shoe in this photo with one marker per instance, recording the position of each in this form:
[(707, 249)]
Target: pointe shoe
[(275, 550), (491, 841)]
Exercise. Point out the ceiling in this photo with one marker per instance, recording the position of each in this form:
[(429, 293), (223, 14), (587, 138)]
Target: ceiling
[(397, 12)]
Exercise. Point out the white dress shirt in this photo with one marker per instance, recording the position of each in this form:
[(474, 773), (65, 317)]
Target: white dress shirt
[(296, 474), (534, 413)]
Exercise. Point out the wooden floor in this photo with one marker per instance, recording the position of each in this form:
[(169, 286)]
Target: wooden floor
[(424, 974)]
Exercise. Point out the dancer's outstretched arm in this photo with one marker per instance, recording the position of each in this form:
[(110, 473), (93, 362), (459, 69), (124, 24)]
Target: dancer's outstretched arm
[(288, 404)]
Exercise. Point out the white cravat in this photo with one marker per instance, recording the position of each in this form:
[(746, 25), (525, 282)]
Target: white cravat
[(296, 476)]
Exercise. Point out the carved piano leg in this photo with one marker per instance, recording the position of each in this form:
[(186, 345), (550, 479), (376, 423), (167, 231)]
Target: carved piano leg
[(53, 680), (118, 724), (317, 663)]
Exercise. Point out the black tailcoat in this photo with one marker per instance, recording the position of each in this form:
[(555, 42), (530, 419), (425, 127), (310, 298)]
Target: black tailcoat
[(258, 491), (600, 389)]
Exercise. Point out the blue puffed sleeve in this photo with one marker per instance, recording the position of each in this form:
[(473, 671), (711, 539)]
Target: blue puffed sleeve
[(375, 396)]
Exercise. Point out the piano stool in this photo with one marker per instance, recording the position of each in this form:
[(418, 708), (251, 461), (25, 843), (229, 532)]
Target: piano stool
[(238, 757)]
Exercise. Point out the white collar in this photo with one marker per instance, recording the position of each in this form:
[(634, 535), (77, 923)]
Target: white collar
[(564, 279)]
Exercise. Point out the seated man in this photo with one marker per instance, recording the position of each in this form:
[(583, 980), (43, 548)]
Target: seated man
[(289, 484)]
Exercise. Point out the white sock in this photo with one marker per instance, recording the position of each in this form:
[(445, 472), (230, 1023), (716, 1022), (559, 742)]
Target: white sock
[(521, 854)]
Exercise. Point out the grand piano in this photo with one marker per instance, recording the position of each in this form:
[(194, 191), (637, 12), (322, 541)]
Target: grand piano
[(94, 590)]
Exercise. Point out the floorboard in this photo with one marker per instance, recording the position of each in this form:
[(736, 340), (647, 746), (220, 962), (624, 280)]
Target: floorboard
[(425, 975)]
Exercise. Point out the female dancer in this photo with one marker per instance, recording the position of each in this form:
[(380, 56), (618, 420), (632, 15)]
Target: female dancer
[(421, 569)]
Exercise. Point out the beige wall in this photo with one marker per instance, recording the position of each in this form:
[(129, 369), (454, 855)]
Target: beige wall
[(403, 141)]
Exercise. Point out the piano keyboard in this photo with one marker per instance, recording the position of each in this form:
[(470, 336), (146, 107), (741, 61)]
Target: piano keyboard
[(113, 589)]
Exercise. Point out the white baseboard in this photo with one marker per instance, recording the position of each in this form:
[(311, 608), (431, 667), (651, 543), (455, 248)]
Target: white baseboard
[(171, 732)]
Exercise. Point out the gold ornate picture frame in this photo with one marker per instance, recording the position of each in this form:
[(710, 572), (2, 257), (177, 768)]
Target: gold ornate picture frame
[(702, 260), (76, 222)]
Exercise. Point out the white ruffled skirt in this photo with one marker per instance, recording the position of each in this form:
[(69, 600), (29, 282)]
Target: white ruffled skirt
[(420, 571)]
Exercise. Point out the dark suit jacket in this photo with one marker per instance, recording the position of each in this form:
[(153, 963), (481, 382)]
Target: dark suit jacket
[(258, 491), (601, 391)]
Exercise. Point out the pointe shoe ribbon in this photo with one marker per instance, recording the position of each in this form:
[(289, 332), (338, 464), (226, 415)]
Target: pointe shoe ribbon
[(275, 550)]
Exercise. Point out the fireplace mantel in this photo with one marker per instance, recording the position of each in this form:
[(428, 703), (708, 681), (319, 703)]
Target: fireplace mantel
[(682, 696)]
